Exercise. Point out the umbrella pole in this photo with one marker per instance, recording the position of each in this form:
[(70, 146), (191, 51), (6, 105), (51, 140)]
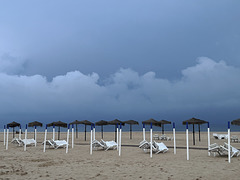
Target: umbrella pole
[(102, 130), (162, 128), (193, 135), (58, 132), (199, 132), (76, 131), (13, 132), (130, 131), (115, 133), (85, 132)]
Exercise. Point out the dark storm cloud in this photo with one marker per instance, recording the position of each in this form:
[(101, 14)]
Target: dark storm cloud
[(208, 84)]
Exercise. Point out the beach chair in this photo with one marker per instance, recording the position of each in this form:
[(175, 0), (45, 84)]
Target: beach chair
[(146, 146), (215, 148), (56, 143), (16, 141), (234, 139), (220, 136), (156, 136), (233, 151), (159, 147), (27, 141), (96, 145), (109, 144)]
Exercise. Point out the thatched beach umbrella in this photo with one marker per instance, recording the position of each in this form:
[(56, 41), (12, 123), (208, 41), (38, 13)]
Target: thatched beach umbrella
[(34, 124), (236, 122), (162, 123), (101, 123), (59, 124), (86, 122), (131, 122), (153, 121), (76, 122), (13, 125), (195, 121), (115, 122)]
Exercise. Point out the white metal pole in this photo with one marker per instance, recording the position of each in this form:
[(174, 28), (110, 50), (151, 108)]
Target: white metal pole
[(144, 137), (20, 132), (72, 135), (91, 139), (117, 137), (4, 135), (187, 141), (25, 144), (53, 132), (151, 141), (93, 131), (45, 140), (208, 139), (174, 140), (229, 148), (7, 138), (120, 139), (35, 131), (67, 138)]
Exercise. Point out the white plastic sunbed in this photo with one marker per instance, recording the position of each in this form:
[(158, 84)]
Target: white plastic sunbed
[(215, 148), (27, 141), (234, 151), (220, 136), (160, 147), (56, 144), (146, 146), (109, 144), (96, 145), (16, 141)]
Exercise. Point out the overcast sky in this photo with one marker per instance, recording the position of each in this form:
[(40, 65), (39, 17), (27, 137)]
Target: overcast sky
[(138, 59)]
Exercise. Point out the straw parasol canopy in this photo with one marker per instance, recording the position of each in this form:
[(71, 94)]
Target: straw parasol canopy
[(13, 125), (34, 123), (236, 122), (59, 124), (131, 122), (86, 122), (115, 122), (76, 122), (195, 121), (101, 123), (162, 122), (153, 121)]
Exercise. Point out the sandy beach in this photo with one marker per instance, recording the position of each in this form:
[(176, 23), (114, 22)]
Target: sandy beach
[(133, 163)]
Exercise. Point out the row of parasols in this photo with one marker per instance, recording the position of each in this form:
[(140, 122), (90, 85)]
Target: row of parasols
[(116, 122)]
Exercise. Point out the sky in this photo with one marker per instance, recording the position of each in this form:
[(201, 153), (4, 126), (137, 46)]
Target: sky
[(138, 59)]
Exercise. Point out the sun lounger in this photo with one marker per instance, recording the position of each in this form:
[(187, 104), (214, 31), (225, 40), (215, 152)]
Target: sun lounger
[(16, 141), (27, 141), (234, 151), (215, 148), (160, 147), (156, 136), (96, 145), (146, 146), (234, 139), (220, 136), (109, 144), (56, 144), (166, 138)]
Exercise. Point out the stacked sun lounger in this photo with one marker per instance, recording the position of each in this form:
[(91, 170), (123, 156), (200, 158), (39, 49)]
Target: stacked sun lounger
[(156, 147), (223, 150)]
